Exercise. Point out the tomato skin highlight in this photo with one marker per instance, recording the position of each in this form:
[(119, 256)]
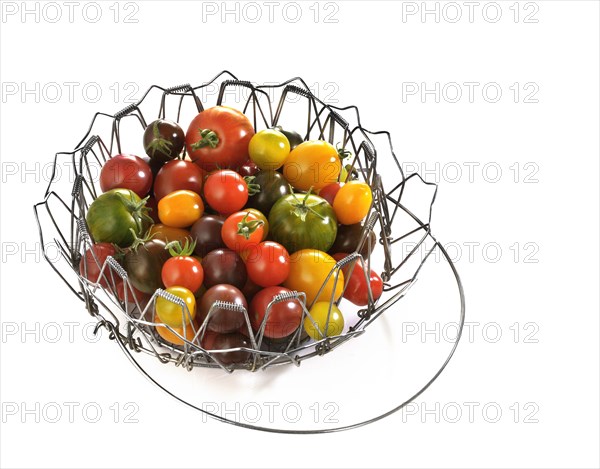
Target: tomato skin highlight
[(312, 164), (180, 209), (126, 172), (169, 233), (178, 175), (284, 317), (356, 289), (232, 132), (352, 202), (226, 191)]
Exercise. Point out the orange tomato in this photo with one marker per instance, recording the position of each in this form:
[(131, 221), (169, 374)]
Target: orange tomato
[(174, 338), (180, 209), (308, 270), (315, 164), (168, 233), (352, 202)]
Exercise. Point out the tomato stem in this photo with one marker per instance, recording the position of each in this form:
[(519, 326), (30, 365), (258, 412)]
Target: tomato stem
[(176, 249), (209, 138), (302, 208), (246, 228)]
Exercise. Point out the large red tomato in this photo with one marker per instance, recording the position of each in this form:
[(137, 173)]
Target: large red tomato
[(178, 175), (218, 138)]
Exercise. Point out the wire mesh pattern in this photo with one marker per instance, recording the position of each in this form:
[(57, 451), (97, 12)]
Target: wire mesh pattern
[(131, 324)]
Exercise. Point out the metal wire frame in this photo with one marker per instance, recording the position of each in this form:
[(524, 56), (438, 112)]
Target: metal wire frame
[(138, 334)]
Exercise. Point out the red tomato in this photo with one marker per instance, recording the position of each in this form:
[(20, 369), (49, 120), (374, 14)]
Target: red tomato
[(126, 172), (357, 291), (178, 175), (93, 260), (267, 264), (226, 191), (183, 271), (140, 296), (242, 230), (152, 207), (218, 138), (284, 317), (330, 191)]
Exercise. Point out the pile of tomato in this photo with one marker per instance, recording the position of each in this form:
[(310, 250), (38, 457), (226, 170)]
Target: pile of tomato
[(223, 213)]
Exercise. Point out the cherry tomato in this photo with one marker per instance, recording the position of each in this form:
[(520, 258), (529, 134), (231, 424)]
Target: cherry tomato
[(226, 191), (206, 232), (163, 140), (323, 328), (312, 164), (269, 148), (267, 263), (284, 317), (222, 320), (188, 332), (242, 230), (330, 191), (308, 270), (178, 175), (218, 138), (224, 266), (92, 262), (183, 271), (173, 314), (249, 168), (126, 172), (180, 209), (352, 202), (357, 290)]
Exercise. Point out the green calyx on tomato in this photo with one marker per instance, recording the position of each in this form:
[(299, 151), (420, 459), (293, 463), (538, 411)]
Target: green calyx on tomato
[(302, 207), (176, 249), (158, 143), (118, 216), (253, 187), (245, 228), (209, 139)]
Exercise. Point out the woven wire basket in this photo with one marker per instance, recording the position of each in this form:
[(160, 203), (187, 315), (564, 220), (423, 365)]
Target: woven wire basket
[(391, 222)]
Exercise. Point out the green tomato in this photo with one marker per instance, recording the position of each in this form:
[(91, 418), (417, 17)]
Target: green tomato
[(114, 214), (269, 148), (323, 328), (303, 221)]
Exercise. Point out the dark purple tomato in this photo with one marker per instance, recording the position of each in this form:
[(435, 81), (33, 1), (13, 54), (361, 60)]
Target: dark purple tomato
[(249, 168), (229, 341), (224, 266), (222, 320), (348, 237), (144, 265), (273, 186), (207, 234), (163, 140)]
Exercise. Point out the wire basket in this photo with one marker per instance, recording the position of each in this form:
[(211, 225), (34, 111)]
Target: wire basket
[(391, 222)]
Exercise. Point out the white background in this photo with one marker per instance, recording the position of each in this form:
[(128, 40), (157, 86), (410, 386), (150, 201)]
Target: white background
[(544, 380)]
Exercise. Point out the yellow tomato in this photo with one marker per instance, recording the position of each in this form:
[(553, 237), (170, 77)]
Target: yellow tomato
[(268, 149), (174, 338), (173, 314), (180, 209), (308, 270), (312, 164), (324, 328), (352, 202)]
